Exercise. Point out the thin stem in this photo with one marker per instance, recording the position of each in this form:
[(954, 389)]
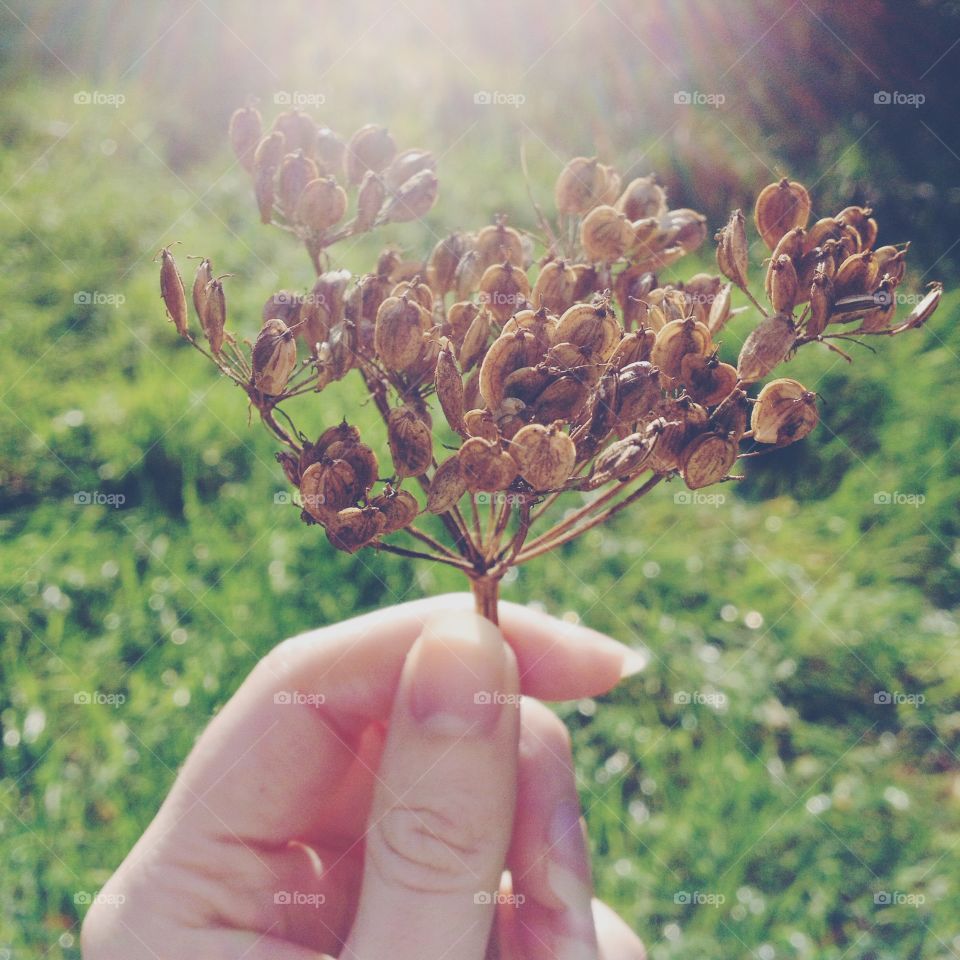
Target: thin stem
[(418, 555), (486, 592), (578, 515), (429, 541)]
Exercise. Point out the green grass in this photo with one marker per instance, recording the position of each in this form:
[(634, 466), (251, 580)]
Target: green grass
[(794, 795)]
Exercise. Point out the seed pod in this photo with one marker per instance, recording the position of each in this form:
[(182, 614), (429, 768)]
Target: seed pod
[(827, 228), (475, 342), (481, 423), (785, 411), (397, 338), (781, 207), (647, 238), (622, 460), (675, 341), (707, 459), (733, 250), (643, 197), (413, 200), (561, 400), (470, 270), (792, 244), (371, 148), (526, 384), (459, 318), (631, 289), (214, 317), (592, 327), (538, 322), (314, 452), (406, 165), (245, 134), (399, 509), (322, 203), (580, 186), (353, 528), (274, 357), (602, 417), (861, 220), (922, 312), (782, 284), (328, 151), (638, 391), (706, 379), (891, 262), (296, 171), (767, 346), (411, 445), (449, 385), (362, 460), (613, 184), (201, 282), (545, 456), (443, 262), (282, 305), (858, 274), (172, 292), (632, 348), (506, 354), (821, 304), (298, 129), (498, 243), (326, 487), (588, 281), (266, 162), (732, 415), (447, 486), (504, 289), (669, 438), (414, 289), (485, 467), (554, 287), (370, 197), (720, 311), (605, 234)]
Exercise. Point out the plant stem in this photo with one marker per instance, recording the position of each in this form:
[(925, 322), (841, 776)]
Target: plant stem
[(486, 592)]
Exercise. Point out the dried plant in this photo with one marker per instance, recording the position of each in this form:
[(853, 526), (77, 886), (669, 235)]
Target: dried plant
[(500, 395)]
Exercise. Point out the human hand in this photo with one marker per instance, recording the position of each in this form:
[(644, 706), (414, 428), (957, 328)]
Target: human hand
[(356, 796)]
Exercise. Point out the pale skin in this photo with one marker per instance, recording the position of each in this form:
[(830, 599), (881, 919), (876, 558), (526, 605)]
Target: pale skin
[(380, 788)]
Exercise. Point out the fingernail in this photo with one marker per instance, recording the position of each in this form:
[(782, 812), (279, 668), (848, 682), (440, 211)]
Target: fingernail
[(568, 873), (633, 662), (458, 672)]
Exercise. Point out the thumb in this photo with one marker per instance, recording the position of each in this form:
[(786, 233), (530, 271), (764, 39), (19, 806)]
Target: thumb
[(442, 813)]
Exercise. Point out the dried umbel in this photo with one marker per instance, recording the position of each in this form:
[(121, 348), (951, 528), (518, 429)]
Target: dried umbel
[(510, 376)]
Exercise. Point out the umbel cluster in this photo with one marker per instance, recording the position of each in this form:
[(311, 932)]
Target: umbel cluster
[(513, 367)]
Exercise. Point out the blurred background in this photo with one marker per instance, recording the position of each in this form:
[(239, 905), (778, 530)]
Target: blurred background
[(783, 779)]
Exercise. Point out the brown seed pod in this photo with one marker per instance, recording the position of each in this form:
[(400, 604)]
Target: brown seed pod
[(411, 444), (781, 207), (397, 338), (296, 171), (172, 292), (485, 467), (481, 423), (449, 385), (266, 161), (245, 133), (371, 148), (214, 316), (399, 509), (370, 197), (622, 460), (443, 262), (732, 250), (298, 129), (554, 287), (706, 379), (791, 244), (861, 220), (782, 284), (322, 204), (447, 486), (648, 238), (643, 197), (785, 411), (827, 228), (504, 289), (328, 152), (580, 186), (632, 348), (613, 184), (545, 456), (415, 289), (707, 459), (362, 460), (470, 269), (858, 274), (922, 312), (506, 354), (353, 528), (498, 243), (592, 327), (684, 228), (413, 199), (732, 415), (526, 384), (201, 282), (274, 357), (821, 304), (638, 391), (324, 307), (561, 400), (669, 438), (605, 234), (459, 318), (342, 432), (408, 164), (282, 305), (631, 289), (541, 324), (675, 341), (768, 345), (891, 262), (720, 311), (699, 293), (326, 487), (588, 281), (475, 342)]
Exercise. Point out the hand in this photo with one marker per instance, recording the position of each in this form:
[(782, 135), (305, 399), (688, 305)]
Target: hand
[(362, 793)]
